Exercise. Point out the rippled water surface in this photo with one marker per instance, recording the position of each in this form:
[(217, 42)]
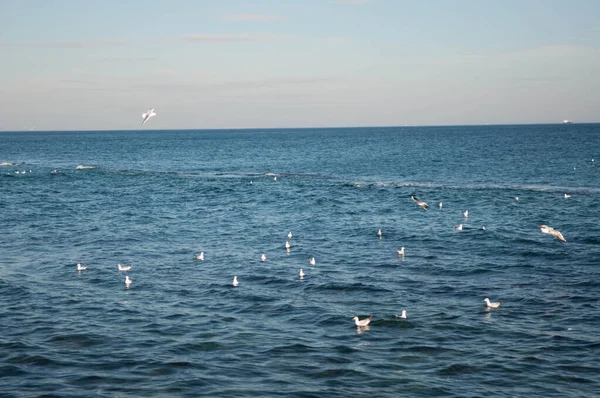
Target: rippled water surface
[(154, 199)]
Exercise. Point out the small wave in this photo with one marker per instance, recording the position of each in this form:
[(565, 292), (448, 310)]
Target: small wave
[(6, 164), (83, 167)]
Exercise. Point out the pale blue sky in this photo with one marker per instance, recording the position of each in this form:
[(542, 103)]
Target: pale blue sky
[(99, 64)]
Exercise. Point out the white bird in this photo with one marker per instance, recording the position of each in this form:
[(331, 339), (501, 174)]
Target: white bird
[(400, 251), (424, 205), (146, 116), (235, 281), (466, 213), (287, 245), (124, 267), (403, 316), (301, 273), (489, 304), (458, 227), (483, 227), (289, 235), (379, 233), (363, 322), (199, 256), (275, 178), (551, 231), (127, 281), (440, 205), (263, 257), (312, 261), (81, 267), (516, 198), (567, 196)]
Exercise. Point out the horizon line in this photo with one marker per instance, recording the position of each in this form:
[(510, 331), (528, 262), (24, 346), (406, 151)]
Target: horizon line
[(302, 128)]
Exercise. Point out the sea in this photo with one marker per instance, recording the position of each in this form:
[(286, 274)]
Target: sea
[(154, 200)]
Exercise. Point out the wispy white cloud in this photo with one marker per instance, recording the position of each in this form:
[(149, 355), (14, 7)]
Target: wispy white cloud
[(204, 37), (124, 59), (354, 1), (251, 17), (194, 38)]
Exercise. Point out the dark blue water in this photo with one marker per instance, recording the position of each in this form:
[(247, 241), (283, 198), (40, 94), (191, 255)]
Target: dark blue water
[(155, 199)]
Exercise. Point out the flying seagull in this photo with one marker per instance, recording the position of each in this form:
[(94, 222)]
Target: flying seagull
[(551, 231), (424, 205), (149, 113)]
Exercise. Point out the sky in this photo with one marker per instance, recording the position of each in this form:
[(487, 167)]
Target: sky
[(211, 64)]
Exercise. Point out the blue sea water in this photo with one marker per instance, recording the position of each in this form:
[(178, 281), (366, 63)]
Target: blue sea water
[(154, 199)]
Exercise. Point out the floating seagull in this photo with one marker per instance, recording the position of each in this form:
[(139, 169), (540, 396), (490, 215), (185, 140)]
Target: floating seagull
[(400, 251), (312, 261), (440, 205), (146, 116), (301, 274), (403, 316), (199, 256), (81, 267), (551, 231), (235, 281), (275, 178), (567, 196), (263, 257), (466, 213), (124, 267), (458, 227), (516, 198), (364, 322), (289, 235), (287, 245), (250, 182), (490, 304), (379, 233), (424, 205), (483, 227), (127, 281)]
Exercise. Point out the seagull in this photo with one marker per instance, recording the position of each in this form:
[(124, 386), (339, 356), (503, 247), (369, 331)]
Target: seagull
[(199, 256), (124, 267), (403, 316), (312, 261), (301, 274), (483, 227), (466, 213), (289, 235), (424, 205), (81, 267), (490, 304), (458, 227), (263, 257), (440, 205), (567, 196), (400, 251), (364, 322), (146, 116), (516, 198), (287, 245), (235, 281), (379, 233), (551, 231), (127, 281), (275, 178)]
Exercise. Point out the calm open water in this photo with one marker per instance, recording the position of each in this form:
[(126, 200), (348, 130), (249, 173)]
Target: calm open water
[(157, 198)]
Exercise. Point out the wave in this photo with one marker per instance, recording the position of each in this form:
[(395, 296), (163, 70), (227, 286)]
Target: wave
[(83, 167)]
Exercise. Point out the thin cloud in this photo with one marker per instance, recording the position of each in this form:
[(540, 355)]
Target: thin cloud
[(354, 1), (124, 59), (78, 44), (203, 37), (250, 17)]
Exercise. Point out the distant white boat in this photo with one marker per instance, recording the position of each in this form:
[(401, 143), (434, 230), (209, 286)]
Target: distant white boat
[(567, 121)]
